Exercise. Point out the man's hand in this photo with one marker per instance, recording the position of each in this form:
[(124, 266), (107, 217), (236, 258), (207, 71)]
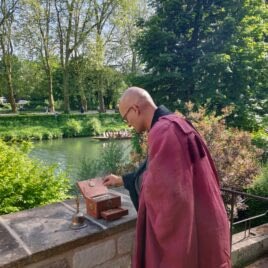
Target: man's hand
[(113, 180)]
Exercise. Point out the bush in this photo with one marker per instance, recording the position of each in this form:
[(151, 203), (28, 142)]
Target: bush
[(235, 157), (5, 106), (260, 188), (11, 126), (260, 139), (92, 127), (260, 184), (36, 105), (72, 128), (25, 183)]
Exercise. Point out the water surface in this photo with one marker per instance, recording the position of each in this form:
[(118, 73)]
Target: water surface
[(68, 153)]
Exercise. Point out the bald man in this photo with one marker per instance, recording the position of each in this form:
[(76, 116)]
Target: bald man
[(182, 222)]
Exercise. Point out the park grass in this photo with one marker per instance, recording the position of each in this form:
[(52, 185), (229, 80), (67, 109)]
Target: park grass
[(47, 127)]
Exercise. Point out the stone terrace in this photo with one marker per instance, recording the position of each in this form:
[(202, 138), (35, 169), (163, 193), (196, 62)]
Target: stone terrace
[(42, 238)]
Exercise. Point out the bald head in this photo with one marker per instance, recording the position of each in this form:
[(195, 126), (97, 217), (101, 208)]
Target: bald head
[(136, 95), (137, 107)]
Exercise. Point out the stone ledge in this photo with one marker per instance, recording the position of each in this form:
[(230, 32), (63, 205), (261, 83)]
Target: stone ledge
[(248, 249), (41, 237), (36, 234)]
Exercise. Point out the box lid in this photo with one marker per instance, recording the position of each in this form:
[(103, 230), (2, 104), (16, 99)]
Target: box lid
[(92, 187)]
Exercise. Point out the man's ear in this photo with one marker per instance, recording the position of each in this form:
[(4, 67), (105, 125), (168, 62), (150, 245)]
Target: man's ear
[(136, 107)]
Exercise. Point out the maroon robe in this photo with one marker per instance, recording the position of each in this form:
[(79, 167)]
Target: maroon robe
[(182, 222)]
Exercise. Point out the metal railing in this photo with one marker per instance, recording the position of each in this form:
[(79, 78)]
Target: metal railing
[(234, 194)]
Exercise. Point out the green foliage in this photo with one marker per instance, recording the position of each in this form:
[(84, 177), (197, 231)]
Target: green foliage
[(25, 183), (39, 127), (30, 133), (5, 107), (139, 147), (260, 188), (260, 184), (236, 158), (111, 160), (260, 139), (90, 78), (199, 51), (92, 127), (72, 128)]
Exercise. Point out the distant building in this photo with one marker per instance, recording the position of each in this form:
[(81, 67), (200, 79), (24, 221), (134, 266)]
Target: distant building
[(3, 100), (21, 103)]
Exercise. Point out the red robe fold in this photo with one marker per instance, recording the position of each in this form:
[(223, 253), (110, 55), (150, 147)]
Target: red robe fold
[(182, 222)]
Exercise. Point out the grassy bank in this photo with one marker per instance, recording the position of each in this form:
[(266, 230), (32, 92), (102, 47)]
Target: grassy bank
[(53, 126)]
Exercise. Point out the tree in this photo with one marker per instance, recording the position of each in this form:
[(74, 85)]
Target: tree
[(106, 15), (38, 23), (74, 24), (85, 77), (7, 9), (7, 12), (195, 50), (120, 51)]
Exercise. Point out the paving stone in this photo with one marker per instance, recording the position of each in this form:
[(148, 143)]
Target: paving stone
[(46, 227), (94, 255), (10, 249)]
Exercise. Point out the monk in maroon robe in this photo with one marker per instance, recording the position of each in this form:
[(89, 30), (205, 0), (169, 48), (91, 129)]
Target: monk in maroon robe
[(182, 222)]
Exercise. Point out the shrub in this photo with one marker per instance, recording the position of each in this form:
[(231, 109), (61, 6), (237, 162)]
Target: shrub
[(5, 106), (26, 183), (260, 139), (12, 127), (72, 128), (260, 188), (92, 127), (260, 183), (235, 157)]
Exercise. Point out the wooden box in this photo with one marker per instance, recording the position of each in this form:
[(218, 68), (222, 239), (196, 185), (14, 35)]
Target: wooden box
[(113, 214), (98, 199)]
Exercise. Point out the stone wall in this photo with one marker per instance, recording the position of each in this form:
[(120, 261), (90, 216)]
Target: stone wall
[(114, 251), (42, 238)]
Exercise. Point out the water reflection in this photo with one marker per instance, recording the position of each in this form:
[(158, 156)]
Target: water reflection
[(67, 153)]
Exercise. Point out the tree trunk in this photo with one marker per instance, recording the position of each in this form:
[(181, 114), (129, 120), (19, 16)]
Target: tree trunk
[(8, 74), (100, 93), (83, 100), (10, 86), (101, 102), (134, 62), (50, 92), (66, 90)]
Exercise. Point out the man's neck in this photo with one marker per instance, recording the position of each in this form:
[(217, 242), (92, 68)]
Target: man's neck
[(149, 116)]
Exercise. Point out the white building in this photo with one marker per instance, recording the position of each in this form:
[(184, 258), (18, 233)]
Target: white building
[(3, 100)]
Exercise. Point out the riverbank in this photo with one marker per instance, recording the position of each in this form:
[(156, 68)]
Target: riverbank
[(53, 126)]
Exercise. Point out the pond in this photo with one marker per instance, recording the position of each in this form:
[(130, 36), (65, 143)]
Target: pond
[(68, 153)]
